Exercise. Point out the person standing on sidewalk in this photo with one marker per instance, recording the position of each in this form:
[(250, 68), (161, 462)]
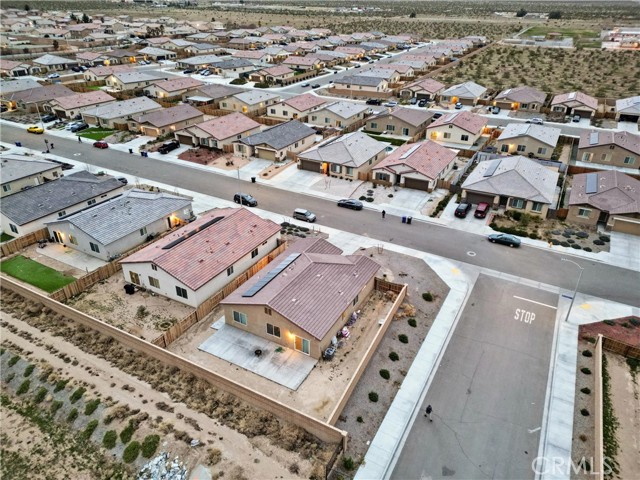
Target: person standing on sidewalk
[(79, 139), (428, 413), (383, 214)]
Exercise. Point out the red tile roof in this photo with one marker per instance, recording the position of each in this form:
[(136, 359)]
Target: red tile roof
[(304, 102), (228, 125), (468, 121), (202, 256), (175, 84), (427, 158)]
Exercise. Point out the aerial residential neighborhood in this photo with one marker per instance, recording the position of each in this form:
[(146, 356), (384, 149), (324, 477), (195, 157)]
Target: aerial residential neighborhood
[(324, 241)]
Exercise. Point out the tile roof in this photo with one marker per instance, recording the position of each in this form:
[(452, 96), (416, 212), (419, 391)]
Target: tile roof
[(17, 85), (227, 126), (351, 150), (465, 120), (428, 85), (626, 140), (134, 77), (576, 97), (515, 176), (544, 134), (169, 116), (175, 84), (217, 92), (360, 80), (465, 90), (49, 59), (315, 290), (630, 106), (253, 97), (15, 167), (203, 255), (345, 110), (616, 192), (426, 158), (41, 94), (297, 60), (155, 51), (304, 102), (281, 135), (200, 59), (37, 202), (411, 116), (277, 70), (232, 63), (123, 108), (111, 69), (79, 100), (127, 213), (522, 94)]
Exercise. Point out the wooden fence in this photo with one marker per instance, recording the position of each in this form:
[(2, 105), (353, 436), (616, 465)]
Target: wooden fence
[(206, 307), (624, 349), (598, 457), (17, 244), (384, 286), (85, 282)]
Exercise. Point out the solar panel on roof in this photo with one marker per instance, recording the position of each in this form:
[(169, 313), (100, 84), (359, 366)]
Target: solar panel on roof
[(593, 138), (491, 169), (191, 233), (260, 284), (409, 152), (592, 183)]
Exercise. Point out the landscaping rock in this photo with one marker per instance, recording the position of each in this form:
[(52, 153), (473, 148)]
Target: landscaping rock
[(605, 238), (568, 231), (598, 242), (582, 235), (556, 232)]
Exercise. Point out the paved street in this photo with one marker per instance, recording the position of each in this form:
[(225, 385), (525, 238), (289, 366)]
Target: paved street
[(533, 263), (488, 393)]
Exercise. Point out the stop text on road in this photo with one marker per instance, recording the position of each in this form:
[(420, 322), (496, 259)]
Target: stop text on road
[(525, 316)]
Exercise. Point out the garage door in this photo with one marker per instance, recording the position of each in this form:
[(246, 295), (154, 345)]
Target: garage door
[(311, 166), (265, 154), (473, 197), (184, 139), (630, 118), (626, 225), (416, 184)]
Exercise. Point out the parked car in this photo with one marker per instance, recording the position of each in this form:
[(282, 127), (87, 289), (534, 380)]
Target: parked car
[(35, 129), (76, 69), (206, 73), (535, 121), (422, 103), (315, 85), (245, 199), (350, 203), (101, 144), (70, 125), (303, 214), (504, 239), (64, 165), (53, 75), (481, 210), (123, 180), (495, 110), (187, 71), (50, 117), (437, 115), (413, 101), (3, 108), (391, 104), (576, 118), (357, 66), (458, 106), (374, 101), (305, 85), (79, 126), (462, 210), (169, 145)]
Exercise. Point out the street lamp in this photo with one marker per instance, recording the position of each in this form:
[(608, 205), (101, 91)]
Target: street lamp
[(575, 291)]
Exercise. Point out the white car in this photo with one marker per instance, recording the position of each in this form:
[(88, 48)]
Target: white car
[(391, 104), (536, 121), (53, 75), (70, 125)]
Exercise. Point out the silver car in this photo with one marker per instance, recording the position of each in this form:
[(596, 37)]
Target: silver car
[(306, 215)]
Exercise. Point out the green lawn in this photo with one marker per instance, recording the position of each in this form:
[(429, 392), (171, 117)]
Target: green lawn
[(36, 274), (393, 141), (567, 32), (96, 133), (5, 237)]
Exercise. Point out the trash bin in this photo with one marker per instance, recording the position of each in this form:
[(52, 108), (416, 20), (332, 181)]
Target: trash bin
[(145, 154), (253, 179), (404, 219), (18, 144), (409, 220), (131, 150)]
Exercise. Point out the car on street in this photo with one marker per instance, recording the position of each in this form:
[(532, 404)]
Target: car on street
[(357, 66), (76, 69), (504, 239), (70, 125), (535, 121), (79, 126), (495, 110), (391, 104), (245, 199), (123, 180), (458, 106), (350, 203), (576, 118), (481, 210), (50, 117), (169, 145), (305, 85), (304, 214), (187, 71), (35, 129), (462, 210), (53, 75), (374, 101), (101, 144), (206, 73), (315, 85)]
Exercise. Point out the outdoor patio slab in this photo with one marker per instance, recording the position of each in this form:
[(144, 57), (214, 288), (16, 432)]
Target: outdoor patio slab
[(71, 257), (288, 368)]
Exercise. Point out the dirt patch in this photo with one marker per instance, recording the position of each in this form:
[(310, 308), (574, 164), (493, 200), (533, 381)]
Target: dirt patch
[(625, 330), (583, 441), (362, 417), (212, 158), (143, 314), (274, 169)]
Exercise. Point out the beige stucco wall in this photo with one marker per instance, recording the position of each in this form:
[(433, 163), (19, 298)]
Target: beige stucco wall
[(531, 145), (334, 120), (437, 134), (572, 215), (155, 131), (32, 180), (614, 156), (382, 123), (527, 208), (507, 105), (383, 87)]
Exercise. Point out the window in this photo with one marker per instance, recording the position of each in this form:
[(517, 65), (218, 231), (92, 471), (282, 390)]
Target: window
[(295, 145), (273, 330), (94, 247), (558, 109), (521, 148), (62, 213), (335, 168), (230, 270), (154, 282), (254, 253), (224, 104), (181, 292), (586, 157), (355, 301), (350, 171), (143, 231), (13, 228), (73, 239), (504, 148), (584, 212), (273, 111), (203, 141), (524, 105), (267, 310), (314, 118), (55, 174), (542, 151), (285, 113), (516, 203), (405, 131), (327, 120), (391, 128), (6, 188), (302, 345), (382, 176), (629, 160), (604, 157), (374, 125), (464, 138), (536, 207), (445, 135), (154, 267), (135, 278), (239, 317)]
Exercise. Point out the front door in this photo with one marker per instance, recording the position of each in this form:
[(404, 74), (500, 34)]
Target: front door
[(135, 278), (58, 237), (302, 345)]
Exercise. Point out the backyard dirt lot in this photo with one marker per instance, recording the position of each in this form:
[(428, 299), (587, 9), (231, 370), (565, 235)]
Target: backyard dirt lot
[(143, 314)]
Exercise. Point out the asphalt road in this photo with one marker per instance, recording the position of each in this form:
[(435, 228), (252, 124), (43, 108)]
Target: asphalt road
[(601, 280), (488, 393)]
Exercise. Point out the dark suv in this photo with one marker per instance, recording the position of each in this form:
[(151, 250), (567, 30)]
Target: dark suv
[(374, 101), (245, 199), (462, 210), (166, 147)]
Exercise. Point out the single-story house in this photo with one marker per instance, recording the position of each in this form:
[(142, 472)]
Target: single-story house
[(177, 44), (134, 80), (211, 94), (250, 101), (275, 142), (609, 197), (303, 63), (11, 86), (166, 120), (528, 139), (119, 112), (460, 129), (9, 68), (197, 62), (338, 114), (196, 261), (524, 99), (119, 56), (114, 227), (296, 107), (219, 132), (71, 105), (426, 89), (390, 74), (49, 62), (302, 298), (272, 75), (34, 99), (619, 149), (233, 68), (349, 156), (97, 74), (416, 165), (467, 93), (18, 172), (628, 109), (29, 210), (403, 70), (153, 53), (575, 103), (257, 57), (201, 49), (357, 84), (174, 87), (407, 122), (515, 183)]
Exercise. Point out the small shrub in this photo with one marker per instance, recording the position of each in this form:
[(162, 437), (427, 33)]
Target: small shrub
[(534, 236), (412, 322), (359, 420), (373, 396), (585, 370), (565, 244), (634, 322), (587, 353), (214, 456), (611, 323), (24, 387), (393, 356), (40, 394), (91, 406), (427, 296), (73, 414), (127, 433), (584, 412), (605, 238), (575, 246), (10, 377), (131, 452), (13, 360), (585, 390), (109, 439), (385, 374), (60, 384), (77, 395), (362, 198), (403, 338), (369, 199), (142, 312), (285, 224), (583, 437), (517, 216), (598, 242), (28, 371), (55, 406), (88, 431), (588, 249), (347, 462), (150, 445)]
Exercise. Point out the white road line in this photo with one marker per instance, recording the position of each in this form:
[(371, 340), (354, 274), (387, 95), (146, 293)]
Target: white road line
[(533, 301)]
